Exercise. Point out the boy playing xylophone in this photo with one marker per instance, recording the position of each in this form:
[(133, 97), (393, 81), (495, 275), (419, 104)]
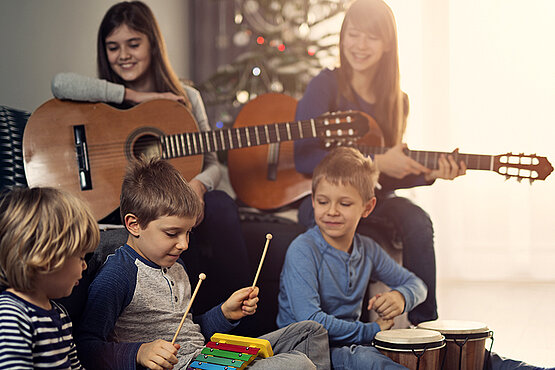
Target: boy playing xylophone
[(137, 300)]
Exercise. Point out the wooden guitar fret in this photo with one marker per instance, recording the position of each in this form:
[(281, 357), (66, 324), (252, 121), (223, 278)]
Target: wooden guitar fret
[(248, 136), (196, 142), (174, 146), (207, 141), (238, 136), (222, 140), (267, 133), (278, 138), (163, 148), (230, 139), (256, 134), (313, 127), (198, 138), (288, 127), (182, 144), (213, 135), (177, 147), (168, 145), (189, 149)]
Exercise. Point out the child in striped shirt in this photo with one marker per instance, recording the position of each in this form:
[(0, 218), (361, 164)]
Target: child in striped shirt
[(44, 236)]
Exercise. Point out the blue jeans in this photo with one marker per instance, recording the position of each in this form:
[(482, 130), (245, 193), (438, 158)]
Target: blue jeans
[(301, 345), (415, 229), (356, 357)]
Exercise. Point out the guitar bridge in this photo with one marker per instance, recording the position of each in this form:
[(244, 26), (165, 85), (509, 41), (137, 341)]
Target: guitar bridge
[(84, 171)]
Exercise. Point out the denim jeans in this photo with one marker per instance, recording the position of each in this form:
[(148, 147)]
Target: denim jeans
[(302, 345), (361, 357)]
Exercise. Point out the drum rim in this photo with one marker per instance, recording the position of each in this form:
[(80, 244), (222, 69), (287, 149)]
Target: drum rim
[(468, 336), (408, 347), (438, 325)]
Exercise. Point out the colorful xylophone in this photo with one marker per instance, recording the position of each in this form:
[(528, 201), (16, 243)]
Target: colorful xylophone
[(225, 351)]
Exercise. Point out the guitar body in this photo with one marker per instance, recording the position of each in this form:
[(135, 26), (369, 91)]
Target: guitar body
[(248, 167), (113, 137)]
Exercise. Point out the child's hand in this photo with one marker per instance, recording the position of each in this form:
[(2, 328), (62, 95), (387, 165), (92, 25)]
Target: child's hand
[(384, 324), (158, 355), (387, 305), (242, 302)]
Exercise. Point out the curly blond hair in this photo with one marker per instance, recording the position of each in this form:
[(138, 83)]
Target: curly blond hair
[(40, 228)]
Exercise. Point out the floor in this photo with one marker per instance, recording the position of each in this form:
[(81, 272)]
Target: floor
[(520, 314)]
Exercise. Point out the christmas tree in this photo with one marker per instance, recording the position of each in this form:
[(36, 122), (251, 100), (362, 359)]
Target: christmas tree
[(282, 44)]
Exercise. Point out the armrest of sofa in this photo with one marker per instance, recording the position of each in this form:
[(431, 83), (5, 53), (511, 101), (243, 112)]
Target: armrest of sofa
[(75, 303), (12, 125)]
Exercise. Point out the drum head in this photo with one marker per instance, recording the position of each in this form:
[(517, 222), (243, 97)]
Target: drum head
[(457, 328), (408, 339)]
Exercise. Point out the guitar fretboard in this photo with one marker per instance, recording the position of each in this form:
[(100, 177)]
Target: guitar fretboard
[(430, 159), (194, 143)]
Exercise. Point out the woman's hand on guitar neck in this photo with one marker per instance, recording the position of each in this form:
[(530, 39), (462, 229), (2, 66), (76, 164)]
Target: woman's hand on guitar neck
[(395, 163), (448, 169), (136, 97)]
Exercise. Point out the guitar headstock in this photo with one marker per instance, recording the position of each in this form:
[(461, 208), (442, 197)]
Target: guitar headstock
[(522, 166), (342, 126)]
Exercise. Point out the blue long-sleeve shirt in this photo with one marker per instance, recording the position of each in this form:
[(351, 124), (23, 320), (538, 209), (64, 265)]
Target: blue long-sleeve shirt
[(321, 96), (133, 301), (321, 283)]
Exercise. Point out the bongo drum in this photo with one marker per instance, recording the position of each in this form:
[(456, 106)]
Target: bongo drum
[(413, 348), (465, 342)]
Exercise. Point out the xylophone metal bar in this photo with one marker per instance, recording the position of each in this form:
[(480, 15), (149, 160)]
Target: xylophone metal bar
[(229, 352), (206, 366), (217, 356)]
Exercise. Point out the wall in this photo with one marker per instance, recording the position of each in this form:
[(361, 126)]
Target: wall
[(41, 38)]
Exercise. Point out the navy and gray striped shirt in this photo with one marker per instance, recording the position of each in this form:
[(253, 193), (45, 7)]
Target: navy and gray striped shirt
[(32, 337)]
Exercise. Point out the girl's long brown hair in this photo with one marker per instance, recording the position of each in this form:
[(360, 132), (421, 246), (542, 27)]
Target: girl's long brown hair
[(137, 16), (376, 18)]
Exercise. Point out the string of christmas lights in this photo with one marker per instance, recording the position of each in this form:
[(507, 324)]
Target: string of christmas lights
[(285, 44)]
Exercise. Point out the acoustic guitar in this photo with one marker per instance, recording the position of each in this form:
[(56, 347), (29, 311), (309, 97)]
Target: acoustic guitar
[(84, 148), (248, 168)]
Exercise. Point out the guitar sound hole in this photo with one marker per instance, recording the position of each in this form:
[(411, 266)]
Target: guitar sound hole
[(147, 145)]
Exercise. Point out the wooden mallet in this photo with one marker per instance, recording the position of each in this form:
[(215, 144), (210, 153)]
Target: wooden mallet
[(268, 237), (201, 277)]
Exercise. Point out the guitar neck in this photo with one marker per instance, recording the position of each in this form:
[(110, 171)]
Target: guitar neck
[(179, 145), (340, 125), (430, 159)]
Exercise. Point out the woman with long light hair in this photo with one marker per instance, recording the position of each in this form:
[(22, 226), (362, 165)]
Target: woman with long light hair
[(368, 80)]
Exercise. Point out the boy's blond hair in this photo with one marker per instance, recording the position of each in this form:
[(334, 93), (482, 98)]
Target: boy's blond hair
[(40, 228), (153, 188), (347, 166)]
